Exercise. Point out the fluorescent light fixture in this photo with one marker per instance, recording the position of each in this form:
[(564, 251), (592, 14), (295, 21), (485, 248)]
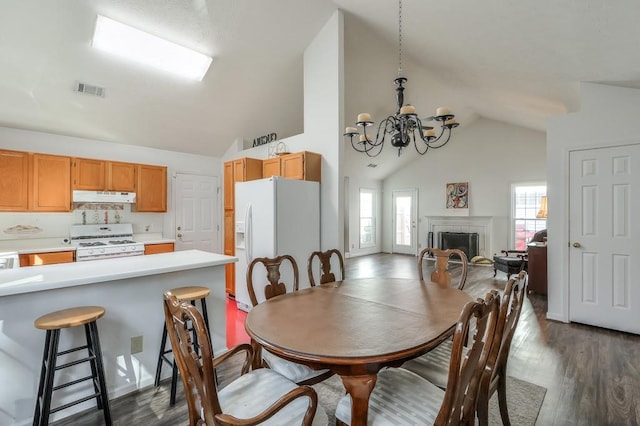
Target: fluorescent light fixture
[(131, 43)]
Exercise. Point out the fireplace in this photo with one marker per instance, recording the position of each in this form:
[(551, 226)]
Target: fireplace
[(465, 241)]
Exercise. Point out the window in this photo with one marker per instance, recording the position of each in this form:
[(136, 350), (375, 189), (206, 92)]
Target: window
[(526, 202), (367, 218)]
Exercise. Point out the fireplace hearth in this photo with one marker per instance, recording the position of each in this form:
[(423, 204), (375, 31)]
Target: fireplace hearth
[(465, 241)]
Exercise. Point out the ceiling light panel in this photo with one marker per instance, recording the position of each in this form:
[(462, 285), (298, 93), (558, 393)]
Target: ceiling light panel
[(128, 42)]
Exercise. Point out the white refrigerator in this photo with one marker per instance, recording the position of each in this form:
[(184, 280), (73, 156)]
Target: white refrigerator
[(274, 216)]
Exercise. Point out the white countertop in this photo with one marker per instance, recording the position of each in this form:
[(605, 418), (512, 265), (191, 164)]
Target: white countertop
[(43, 245), (48, 277)]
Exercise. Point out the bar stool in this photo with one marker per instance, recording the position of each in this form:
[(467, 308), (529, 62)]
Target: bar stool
[(54, 322), (191, 294)]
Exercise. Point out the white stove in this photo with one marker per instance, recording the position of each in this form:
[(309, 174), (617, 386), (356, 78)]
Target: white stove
[(104, 241)]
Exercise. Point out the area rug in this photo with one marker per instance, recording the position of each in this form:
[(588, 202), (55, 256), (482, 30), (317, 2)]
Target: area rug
[(524, 400)]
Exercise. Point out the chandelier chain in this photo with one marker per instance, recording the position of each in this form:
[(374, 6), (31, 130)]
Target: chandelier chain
[(399, 38)]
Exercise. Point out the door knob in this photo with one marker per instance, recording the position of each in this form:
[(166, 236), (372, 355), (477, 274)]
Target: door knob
[(179, 235), (577, 245)]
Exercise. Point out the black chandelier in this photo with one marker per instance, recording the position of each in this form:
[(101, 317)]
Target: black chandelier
[(404, 126)]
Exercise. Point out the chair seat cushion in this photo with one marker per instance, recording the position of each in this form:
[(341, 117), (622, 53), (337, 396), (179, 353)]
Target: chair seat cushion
[(293, 371), (400, 397), (434, 365), (253, 392), (508, 260)]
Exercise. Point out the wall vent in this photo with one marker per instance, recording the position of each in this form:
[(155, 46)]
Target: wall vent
[(89, 89)]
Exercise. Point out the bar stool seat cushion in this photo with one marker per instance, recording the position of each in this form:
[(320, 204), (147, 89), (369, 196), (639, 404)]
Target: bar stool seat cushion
[(298, 373), (252, 393)]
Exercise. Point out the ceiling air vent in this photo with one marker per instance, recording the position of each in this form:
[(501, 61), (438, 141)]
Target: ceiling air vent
[(90, 89)]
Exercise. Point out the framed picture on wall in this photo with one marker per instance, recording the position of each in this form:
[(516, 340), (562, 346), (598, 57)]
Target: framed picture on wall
[(457, 196)]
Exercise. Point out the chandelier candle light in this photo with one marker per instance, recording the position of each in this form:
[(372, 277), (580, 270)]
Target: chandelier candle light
[(404, 124)]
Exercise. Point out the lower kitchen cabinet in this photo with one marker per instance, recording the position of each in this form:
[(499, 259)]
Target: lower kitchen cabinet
[(158, 248), (48, 258)]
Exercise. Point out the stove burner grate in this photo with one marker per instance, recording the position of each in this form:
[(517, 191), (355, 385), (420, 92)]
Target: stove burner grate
[(92, 244), (116, 242)]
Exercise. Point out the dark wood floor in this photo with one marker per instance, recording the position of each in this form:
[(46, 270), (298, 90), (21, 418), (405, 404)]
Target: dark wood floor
[(592, 375)]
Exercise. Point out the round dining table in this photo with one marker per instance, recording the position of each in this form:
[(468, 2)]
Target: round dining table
[(355, 327)]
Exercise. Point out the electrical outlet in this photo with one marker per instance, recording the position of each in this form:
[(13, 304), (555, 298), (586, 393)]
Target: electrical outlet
[(136, 344)]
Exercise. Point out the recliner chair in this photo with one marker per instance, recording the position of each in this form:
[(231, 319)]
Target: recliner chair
[(513, 261)]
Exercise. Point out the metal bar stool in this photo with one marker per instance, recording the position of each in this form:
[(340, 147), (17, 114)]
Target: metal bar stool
[(53, 323), (191, 294)]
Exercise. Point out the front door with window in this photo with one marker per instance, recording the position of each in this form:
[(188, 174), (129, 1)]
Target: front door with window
[(405, 216), (604, 238)]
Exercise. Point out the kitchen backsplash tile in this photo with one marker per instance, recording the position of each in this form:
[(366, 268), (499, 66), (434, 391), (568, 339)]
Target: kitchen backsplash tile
[(15, 226)]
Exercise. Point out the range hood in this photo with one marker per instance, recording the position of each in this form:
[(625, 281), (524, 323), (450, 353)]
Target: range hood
[(103, 197)]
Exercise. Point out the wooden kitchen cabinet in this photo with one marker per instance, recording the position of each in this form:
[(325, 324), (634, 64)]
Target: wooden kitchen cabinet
[(230, 250), (50, 183), (303, 165), (158, 248), (121, 177), (14, 181), (229, 182), (48, 258), (271, 167), (88, 174), (245, 169), (100, 175), (151, 189)]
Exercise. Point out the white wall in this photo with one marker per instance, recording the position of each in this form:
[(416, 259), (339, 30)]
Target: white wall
[(323, 111), (584, 129), (56, 225), (488, 154)]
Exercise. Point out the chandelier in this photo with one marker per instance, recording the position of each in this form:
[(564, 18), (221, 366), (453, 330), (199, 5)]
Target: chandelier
[(404, 126)]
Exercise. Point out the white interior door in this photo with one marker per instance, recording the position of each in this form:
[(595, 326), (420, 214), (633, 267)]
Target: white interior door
[(405, 214), (197, 221), (604, 237)]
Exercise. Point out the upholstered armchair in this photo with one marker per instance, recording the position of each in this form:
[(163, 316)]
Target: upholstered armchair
[(513, 261)]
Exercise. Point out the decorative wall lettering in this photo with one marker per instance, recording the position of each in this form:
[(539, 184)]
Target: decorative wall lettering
[(263, 140)]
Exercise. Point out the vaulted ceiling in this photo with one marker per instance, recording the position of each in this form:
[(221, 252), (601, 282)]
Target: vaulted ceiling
[(518, 62)]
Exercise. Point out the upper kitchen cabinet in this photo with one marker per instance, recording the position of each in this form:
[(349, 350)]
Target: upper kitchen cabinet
[(88, 174), (271, 167), (245, 169), (121, 176), (303, 165), (151, 189), (14, 181), (100, 175), (228, 186), (50, 183)]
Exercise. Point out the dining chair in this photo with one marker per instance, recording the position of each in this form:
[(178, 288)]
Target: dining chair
[(433, 366), (324, 258), (256, 397), (402, 397), (298, 373), (441, 273)]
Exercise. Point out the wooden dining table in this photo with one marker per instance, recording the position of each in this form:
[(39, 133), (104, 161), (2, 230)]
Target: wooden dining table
[(355, 327)]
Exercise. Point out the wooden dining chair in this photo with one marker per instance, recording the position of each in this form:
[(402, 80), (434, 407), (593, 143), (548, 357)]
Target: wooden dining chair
[(324, 258), (255, 397), (402, 397), (298, 373), (434, 367), (441, 273)]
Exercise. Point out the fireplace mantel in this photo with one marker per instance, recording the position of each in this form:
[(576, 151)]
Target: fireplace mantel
[(479, 224)]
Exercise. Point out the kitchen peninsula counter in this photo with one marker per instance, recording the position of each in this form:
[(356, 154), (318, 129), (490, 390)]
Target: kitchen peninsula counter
[(130, 289)]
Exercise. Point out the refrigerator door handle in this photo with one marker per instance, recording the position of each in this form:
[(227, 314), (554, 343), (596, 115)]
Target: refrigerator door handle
[(248, 235)]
